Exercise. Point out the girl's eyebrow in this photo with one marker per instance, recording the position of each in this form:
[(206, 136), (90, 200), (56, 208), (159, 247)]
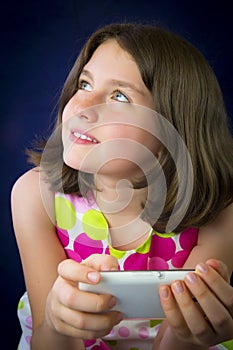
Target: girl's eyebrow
[(120, 83), (127, 85), (86, 72)]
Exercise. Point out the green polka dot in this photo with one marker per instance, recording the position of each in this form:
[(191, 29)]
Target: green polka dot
[(20, 305), (228, 344), (144, 247), (164, 235), (118, 254), (154, 323), (95, 224), (111, 342), (65, 213)]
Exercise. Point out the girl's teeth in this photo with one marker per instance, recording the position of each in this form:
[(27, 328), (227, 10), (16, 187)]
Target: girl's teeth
[(84, 137)]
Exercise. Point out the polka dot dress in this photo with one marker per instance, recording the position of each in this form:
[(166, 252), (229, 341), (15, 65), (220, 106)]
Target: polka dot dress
[(83, 230)]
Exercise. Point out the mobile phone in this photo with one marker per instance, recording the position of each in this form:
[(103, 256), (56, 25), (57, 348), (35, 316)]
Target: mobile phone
[(136, 291)]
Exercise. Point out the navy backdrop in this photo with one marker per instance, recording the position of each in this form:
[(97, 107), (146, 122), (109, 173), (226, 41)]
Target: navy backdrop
[(40, 40)]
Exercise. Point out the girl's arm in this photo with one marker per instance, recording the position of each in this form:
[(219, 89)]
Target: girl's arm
[(58, 318), (187, 324), (40, 253)]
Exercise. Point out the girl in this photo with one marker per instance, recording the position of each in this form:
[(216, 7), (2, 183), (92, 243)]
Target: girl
[(141, 137)]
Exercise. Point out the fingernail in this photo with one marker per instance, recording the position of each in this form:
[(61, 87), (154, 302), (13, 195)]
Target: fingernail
[(164, 292), (112, 302), (93, 276), (202, 268), (178, 287), (191, 277), (105, 268)]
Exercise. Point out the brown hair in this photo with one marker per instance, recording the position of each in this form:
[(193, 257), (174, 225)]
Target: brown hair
[(186, 92)]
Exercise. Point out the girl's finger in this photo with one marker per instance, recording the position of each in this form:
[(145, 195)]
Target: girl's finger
[(71, 297), (90, 322), (173, 313), (86, 326), (216, 313), (101, 262), (197, 324), (219, 286), (75, 272), (220, 267)]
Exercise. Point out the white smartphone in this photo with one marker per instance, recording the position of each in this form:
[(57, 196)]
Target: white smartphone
[(136, 291)]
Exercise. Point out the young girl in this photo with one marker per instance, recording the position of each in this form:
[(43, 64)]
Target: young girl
[(137, 175)]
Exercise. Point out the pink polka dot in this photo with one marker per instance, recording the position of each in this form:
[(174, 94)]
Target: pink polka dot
[(107, 251), (73, 255), (28, 327), (188, 238), (180, 257), (29, 320), (85, 246), (143, 333), (89, 342), (63, 236), (102, 346), (80, 204), (162, 247), (124, 332), (156, 263), (28, 339), (136, 261)]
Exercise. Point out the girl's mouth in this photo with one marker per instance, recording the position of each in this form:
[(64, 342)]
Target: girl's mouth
[(83, 138)]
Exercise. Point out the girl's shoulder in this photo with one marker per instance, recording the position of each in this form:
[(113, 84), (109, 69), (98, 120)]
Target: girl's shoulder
[(222, 225), (215, 240), (31, 197), (27, 181), (30, 183), (26, 187)]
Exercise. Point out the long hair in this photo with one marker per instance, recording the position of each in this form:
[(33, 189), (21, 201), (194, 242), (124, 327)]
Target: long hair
[(186, 92)]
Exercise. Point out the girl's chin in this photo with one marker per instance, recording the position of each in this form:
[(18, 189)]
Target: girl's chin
[(72, 164), (117, 168)]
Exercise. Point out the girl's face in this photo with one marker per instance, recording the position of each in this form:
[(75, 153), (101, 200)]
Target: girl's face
[(105, 128)]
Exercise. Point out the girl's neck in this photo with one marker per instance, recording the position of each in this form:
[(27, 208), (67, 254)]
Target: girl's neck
[(122, 206), (118, 197)]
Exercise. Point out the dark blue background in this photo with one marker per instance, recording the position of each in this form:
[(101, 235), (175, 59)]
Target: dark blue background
[(39, 42)]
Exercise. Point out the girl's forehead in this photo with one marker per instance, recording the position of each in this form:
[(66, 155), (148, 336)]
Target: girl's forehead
[(111, 53), (111, 61), (111, 65)]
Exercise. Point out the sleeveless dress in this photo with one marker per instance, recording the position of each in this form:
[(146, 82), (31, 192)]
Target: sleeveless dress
[(83, 230)]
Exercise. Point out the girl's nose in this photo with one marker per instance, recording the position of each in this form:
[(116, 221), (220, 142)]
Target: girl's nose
[(88, 109), (88, 115)]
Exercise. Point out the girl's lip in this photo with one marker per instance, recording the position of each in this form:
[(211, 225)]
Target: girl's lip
[(82, 137)]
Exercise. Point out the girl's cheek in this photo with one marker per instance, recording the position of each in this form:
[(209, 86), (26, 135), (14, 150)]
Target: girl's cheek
[(68, 110), (66, 113)]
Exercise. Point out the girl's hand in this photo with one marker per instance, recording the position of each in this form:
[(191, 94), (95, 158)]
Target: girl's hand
[(75, 313), (210, 321)]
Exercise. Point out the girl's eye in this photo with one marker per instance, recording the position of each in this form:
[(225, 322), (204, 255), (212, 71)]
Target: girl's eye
[(84, 85), (119, 96)]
